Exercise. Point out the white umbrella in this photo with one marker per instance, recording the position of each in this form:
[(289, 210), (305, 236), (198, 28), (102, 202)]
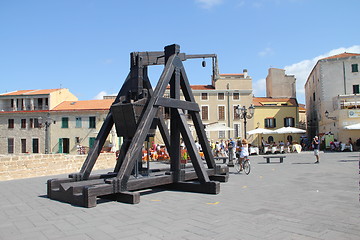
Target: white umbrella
[(260, 131), (217, 127), (285, 130), (353, 126)]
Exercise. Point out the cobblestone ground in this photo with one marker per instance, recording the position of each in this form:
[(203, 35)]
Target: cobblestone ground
[(296, 199)]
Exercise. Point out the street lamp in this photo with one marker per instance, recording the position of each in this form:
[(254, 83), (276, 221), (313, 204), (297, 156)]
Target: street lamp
[(327, 116), (46, 124), (245, 113)]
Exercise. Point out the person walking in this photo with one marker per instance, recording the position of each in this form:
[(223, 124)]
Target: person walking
[(315, 144), (244, 151)]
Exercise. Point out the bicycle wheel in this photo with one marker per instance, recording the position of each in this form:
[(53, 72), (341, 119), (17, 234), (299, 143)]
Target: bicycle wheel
[(237, 165), (247, 167)]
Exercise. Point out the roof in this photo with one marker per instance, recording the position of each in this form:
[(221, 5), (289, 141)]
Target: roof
[(231, 74), (263, 101), (202, 87), (103, 104), (31, 92), (341, 55), (199, 87)]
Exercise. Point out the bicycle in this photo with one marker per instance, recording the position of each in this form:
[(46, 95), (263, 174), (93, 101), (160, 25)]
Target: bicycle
[(245, 165)]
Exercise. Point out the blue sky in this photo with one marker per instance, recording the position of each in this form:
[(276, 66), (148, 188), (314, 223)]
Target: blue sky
[(84, 45)]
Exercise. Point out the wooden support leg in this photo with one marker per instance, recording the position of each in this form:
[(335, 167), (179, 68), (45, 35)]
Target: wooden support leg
[(124, 197), (220, 178), (210, 187)]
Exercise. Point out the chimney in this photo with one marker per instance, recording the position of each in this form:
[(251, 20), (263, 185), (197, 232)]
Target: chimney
[(245, 72)]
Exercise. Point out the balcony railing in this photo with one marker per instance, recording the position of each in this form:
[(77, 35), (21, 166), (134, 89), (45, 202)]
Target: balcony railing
[(350, 101)]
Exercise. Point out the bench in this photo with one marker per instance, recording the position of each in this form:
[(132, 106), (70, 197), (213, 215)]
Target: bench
[(268, 158), (221, 158)]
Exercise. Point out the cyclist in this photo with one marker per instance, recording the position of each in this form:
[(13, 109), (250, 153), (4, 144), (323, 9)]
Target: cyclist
[(244, 151)]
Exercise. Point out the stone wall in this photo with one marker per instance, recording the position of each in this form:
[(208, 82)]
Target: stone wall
[(36, 165)]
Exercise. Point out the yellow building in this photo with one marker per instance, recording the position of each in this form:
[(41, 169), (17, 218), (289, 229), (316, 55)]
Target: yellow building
[(75, 124), (275, 113)]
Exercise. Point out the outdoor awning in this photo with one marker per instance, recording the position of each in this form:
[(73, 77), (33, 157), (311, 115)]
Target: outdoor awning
[(217, 127), (353, 126)]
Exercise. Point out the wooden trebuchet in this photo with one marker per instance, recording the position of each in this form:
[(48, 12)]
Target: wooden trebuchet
[(136, 113)]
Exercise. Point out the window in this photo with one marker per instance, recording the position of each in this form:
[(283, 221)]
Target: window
[(40, 103), (356, 89), (221, 96), (91, 142), (10, 145), (236, 130), (204, 96), (11, 123), (236, 96), (221, 112), (92, 122), (221, 134), (35, 145), (236, 115), (78, 123), (289, 122), (36, 123), (65, 122), (270, 139), (23, 123), (23, 145), (270, 122), (204, 112), (77, 140), (31, 123), (354, 68), (314, 97)]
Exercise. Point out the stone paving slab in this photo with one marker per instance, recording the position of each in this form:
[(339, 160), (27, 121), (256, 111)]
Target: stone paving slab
[(292, 200)]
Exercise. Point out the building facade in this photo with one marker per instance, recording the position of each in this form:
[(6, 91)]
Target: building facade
[(218, 103), (51, 121), (21, 115), (333, 87), (279, 84), (275, 113)]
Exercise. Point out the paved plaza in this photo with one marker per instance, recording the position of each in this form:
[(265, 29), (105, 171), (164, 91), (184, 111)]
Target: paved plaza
[(296, 199)]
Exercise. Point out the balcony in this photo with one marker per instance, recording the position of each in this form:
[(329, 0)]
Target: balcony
[(350, 101)]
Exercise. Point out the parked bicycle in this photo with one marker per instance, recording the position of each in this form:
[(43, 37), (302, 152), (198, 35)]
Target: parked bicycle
[(244, 166)]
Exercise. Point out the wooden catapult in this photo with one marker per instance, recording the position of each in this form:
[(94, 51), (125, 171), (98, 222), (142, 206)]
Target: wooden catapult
[(136, 113)]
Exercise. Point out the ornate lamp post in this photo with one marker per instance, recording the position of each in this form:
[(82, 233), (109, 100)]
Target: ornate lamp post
[(46, 124), (245, 113)]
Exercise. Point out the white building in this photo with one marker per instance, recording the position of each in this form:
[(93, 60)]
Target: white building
[(333, 87), (21, 114)]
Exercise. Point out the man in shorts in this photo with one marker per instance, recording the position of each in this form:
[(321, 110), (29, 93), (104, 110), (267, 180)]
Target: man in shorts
[(315, 144)]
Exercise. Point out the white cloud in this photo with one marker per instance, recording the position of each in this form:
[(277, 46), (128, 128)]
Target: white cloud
[(259, 88), (302, 69), (267, 51), (209, 3), (101, 95)]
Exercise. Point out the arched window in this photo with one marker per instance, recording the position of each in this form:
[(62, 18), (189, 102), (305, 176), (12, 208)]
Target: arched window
[(270, 139)]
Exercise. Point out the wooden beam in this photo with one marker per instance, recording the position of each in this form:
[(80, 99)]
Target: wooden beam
[(175, 103), (195, 116)]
